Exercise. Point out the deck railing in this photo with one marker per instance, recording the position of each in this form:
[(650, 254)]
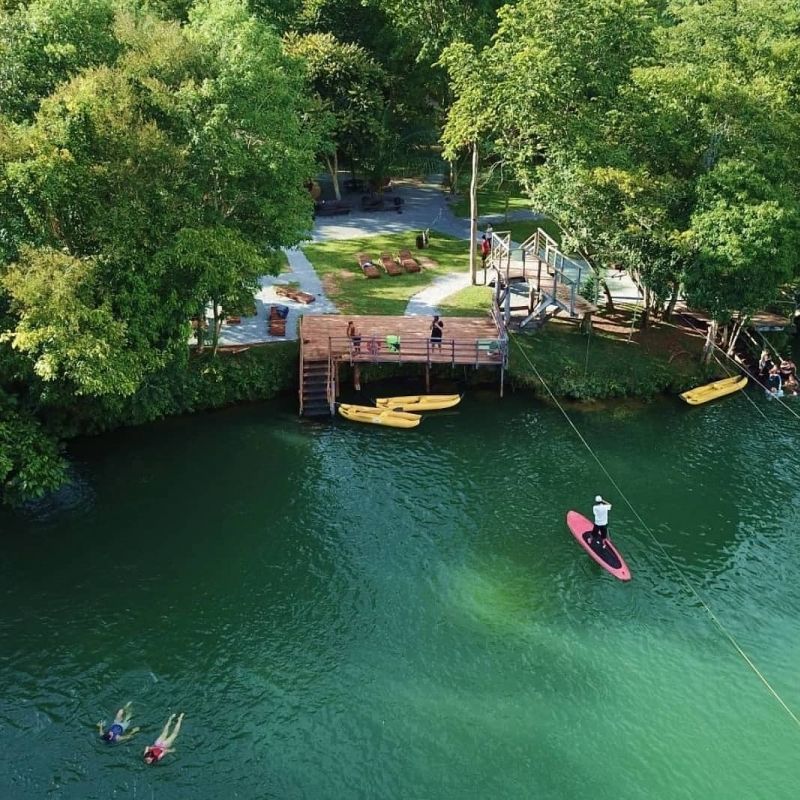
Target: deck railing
[(380, 349)]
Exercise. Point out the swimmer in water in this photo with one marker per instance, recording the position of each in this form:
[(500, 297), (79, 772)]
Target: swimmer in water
[(163, 745), (117, 731)]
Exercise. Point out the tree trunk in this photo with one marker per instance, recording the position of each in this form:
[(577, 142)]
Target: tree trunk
[(737, 329), (672, 301), (217, 328), (453, 176), (473, 216), (609, 298), (333, 169), (711, 337), (645, 318)]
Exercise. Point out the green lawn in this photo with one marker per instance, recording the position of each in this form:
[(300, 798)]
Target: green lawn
[(492, 201), (335, 263), (474, 301)]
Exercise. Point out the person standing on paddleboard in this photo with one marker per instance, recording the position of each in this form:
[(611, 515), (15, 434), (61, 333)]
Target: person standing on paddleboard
[(601, 508)]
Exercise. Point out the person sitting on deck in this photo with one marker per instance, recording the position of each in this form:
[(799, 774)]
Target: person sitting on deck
[(791, 386), (117, 730), (600, 509), (436, 332), (163, 745), (353, 335)]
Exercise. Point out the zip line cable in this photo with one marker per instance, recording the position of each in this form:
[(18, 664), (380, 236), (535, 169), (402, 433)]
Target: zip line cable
[(663, 550)]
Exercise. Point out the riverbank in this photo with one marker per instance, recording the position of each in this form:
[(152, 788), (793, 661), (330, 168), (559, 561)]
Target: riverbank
[(617, 360)]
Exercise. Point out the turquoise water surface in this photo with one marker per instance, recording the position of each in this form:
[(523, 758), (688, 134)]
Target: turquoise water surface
[(351, 612)]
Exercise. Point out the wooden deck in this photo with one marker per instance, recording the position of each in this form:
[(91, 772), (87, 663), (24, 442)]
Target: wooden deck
[(465, 340), (324, 346)]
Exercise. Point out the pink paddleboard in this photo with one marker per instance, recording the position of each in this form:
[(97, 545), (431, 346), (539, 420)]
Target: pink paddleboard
[(608, 558)]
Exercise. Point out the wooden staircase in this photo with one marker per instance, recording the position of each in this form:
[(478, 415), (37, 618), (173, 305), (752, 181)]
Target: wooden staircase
[(317, 387), (314, 389)]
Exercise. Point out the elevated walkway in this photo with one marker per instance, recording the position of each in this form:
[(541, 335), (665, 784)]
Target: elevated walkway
[(548, 279)]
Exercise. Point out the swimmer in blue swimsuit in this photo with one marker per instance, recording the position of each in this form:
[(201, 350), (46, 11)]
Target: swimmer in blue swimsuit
[(117, 730)]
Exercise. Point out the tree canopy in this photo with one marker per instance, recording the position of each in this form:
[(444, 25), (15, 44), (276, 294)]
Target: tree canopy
[(154, 153)]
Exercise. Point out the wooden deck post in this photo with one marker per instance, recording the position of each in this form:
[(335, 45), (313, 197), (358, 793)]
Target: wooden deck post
[(357, 377), (427, 377)]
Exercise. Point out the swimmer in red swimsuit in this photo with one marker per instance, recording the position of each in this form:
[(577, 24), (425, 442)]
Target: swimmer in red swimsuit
[(163, 745)]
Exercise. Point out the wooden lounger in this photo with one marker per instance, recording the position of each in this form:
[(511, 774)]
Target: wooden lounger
[(408, 262), (295, 294), (367, 267), (390, 265)]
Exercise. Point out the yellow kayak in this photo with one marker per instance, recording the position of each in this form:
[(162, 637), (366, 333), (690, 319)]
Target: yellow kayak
[(419, 402), (711, 391), (379, 416)]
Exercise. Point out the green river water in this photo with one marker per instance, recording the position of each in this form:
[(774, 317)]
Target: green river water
[(351, 612)]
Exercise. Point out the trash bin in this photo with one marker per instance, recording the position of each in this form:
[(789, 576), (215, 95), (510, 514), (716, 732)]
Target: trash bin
[(420, 242)]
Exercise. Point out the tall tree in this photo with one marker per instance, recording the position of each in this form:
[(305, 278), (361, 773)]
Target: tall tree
[(349, 86)]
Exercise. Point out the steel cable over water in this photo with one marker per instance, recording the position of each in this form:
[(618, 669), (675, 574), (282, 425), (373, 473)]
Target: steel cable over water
[(723, 630)]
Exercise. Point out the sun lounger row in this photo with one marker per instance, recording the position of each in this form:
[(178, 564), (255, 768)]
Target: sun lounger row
[(404, 262)]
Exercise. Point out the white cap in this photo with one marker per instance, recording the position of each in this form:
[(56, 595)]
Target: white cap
[(598, 499)]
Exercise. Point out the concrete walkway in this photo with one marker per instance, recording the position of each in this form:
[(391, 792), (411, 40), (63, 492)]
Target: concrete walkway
[(427, 301), (256, 329), (425, 206)]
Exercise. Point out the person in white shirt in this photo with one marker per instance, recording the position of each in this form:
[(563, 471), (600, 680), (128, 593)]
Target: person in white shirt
[(601, 508)]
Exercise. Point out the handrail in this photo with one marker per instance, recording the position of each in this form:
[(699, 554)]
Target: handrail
[(302, 377), (479, 350)]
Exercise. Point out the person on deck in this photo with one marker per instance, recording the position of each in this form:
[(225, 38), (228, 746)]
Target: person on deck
[(163, 745), (117, 730), (353, 335), (600, 530), (436, 332)]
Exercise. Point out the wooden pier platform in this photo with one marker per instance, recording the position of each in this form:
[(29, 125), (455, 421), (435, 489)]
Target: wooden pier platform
[(324, 346)]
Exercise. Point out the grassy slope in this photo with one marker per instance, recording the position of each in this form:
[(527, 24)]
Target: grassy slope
[(345, 284), (652, 362)]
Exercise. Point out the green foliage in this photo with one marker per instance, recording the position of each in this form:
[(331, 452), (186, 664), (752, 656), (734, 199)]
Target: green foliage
[(70, 333), (186, 385), (30, 460), (349, 86), (430, 27), (45, 42), (193, 137), (667, 144)]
